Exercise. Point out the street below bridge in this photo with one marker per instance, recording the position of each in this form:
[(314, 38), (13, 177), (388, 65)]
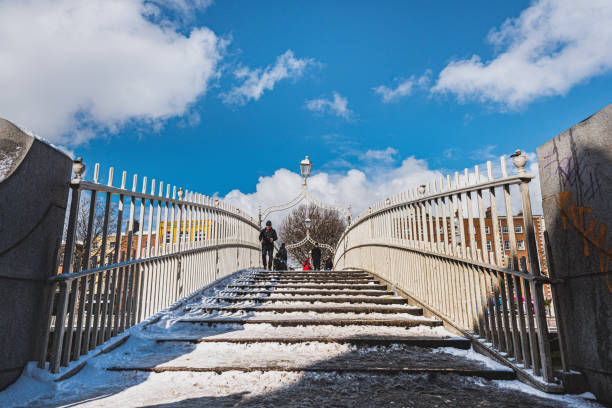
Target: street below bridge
[(258, 338)]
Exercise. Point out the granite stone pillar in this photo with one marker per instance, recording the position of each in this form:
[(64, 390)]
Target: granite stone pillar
[(576, 181), (34, 185)]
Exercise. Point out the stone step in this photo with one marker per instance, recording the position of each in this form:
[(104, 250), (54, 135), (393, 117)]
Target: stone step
[(486, 374), (317, 309), (311, 286), (326, 299), (311, 277), (316, 292), (316, 322), (418, 341), (307, 273), (302, 276), (313, 357), (306, 281), (310, 271)]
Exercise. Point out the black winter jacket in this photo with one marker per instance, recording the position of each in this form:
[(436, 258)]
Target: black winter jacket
[(316, 253), (266, 235), (282, 253)]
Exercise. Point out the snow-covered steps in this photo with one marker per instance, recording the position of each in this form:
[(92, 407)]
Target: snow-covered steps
[(310, 286), (310, 281), (312, 357), (316, 299), (323, 275), (266, 331), (325, 292), (400, 322), (305, 360), (315, 309), (467, 372), (306, 278), (417, 341)]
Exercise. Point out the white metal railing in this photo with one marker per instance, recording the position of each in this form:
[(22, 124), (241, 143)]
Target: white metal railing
[(190, 240), (426, 242)]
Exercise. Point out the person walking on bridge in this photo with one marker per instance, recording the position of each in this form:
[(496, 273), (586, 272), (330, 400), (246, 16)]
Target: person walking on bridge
[(267, 236), (316, 257), (282, 254), (329, 264)]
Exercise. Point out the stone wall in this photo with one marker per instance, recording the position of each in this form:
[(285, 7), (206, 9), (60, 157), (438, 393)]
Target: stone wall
[(34, 184), (576, 179)]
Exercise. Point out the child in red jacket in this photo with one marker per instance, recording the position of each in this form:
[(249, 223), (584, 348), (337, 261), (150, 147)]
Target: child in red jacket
[(306, 265)]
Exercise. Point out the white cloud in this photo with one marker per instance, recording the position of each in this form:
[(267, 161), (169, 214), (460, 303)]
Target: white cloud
[(338, 106), (351, 187), (552, 46), (363, 188), (256, 81), (71, 69), (183, 6), (388, 155), (403, 88), (182, 10), (484, 153)]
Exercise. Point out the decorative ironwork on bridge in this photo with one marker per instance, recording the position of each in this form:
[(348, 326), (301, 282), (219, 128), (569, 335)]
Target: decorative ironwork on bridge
[(305, 167)]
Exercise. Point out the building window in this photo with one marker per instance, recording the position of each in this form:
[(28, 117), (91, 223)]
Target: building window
[(520, 245), (489, 246), (487, 229), (518, 229), (506, 245), (505, 229)]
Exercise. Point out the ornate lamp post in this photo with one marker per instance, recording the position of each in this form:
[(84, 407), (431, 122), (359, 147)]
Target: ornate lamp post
[(305, 168)]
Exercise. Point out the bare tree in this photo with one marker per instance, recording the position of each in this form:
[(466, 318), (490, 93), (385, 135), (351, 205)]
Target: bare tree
[(326, 228)]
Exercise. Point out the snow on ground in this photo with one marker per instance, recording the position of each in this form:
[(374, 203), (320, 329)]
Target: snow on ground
[(95, 386), (304, 315), (215, 303), (267, 331)]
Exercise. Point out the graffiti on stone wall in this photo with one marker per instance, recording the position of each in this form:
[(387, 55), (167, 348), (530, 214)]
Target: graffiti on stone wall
[(574, 172), (592, 231)]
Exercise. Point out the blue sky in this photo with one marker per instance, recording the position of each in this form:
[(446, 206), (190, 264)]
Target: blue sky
[(191, 123)]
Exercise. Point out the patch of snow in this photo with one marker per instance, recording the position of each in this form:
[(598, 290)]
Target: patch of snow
[(472, 355), (7, 160), (36, 136), (575, 401)]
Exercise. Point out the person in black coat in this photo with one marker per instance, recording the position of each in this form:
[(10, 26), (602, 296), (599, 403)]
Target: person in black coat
[(282, 254), (315, 254), (267, 236)]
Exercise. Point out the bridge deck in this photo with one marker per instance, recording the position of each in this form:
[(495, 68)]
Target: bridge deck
[(274, 348)]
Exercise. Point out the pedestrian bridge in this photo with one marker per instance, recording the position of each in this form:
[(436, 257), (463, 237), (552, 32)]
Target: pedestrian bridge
[(159, 285)]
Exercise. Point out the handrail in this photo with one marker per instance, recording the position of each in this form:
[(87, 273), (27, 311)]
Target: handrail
[(461, 190), (101, 188), (93, 271), (133, 253), (442, 246), (492, 267)]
